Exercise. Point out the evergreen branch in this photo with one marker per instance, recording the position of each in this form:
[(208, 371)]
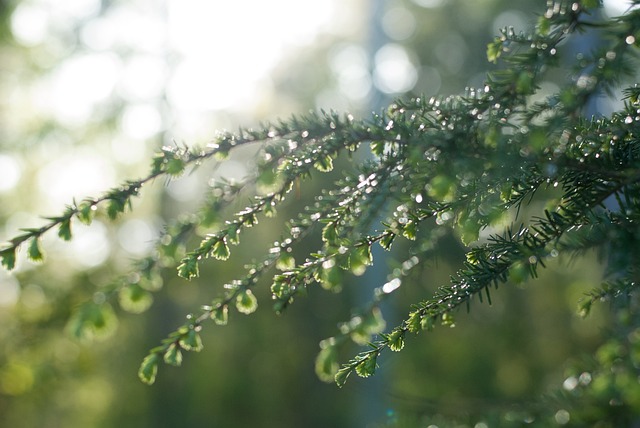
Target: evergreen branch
[(367, 321), (238, 294), (514, 255), (607, 292), (293, 167), (464, 161), (134, 289), (172, 162)]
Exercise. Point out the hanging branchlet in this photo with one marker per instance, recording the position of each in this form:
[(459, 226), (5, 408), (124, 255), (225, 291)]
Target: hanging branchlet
[(288, 284), (606, 293), (365, 323), (237, 294), (172, 162), (512, 256), (216, 245), (116, 200), (134, 290)]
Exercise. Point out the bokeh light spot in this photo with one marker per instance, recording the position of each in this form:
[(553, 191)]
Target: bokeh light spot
[(186, 189), (9, 289), (618, 7), (399, 23), (90, 246), (77, 175), (235, 61), (79, 84), (141, 121), (10, 172), (394, 72), (143, 78), (72, 9), (429, 3), (29, 24), (137, 237), (350, 64)]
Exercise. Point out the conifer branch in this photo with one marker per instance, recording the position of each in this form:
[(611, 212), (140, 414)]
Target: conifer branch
[(464, 165)]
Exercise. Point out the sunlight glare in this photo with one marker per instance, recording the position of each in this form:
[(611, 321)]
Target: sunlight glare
[(134, 26), (394, 72), (75, 175), (617, 7), (350, 64), (143, 78), (141, 121), (228, 47), (72, 9), (79, 85), (29, 24), (10, 173), (429, 3), (90, 246)]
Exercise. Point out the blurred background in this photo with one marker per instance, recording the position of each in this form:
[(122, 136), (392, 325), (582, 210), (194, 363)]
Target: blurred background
[(92, 88)]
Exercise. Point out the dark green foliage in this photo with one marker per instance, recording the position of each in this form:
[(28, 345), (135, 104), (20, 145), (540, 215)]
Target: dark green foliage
[(462, 165), (8, 258)]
